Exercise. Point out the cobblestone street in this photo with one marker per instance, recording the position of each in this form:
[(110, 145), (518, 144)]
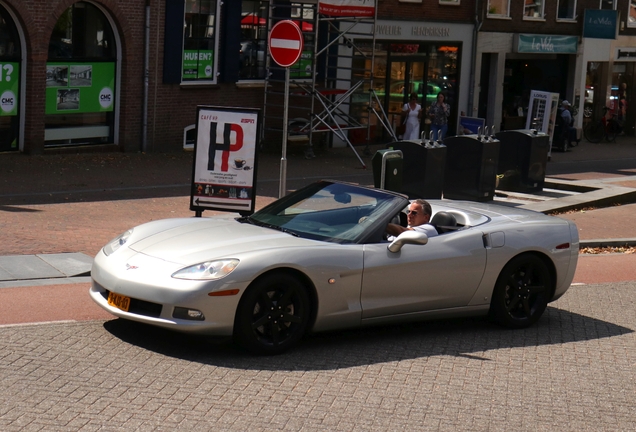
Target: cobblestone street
[(575, 370)]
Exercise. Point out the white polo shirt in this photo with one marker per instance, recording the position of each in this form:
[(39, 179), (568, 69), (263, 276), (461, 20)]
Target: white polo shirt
[(427, 229)]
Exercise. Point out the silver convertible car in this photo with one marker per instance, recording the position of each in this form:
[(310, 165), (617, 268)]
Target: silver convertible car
[(318, 259)]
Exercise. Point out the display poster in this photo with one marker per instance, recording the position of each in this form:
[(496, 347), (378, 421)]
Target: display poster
[(349, 8), (542, 112), (470, 125), (302, 68), (79, 87), (198, 64), (224, 168), (9, 85)]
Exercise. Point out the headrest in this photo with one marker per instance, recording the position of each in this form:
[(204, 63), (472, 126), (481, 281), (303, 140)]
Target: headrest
[(444, 222)]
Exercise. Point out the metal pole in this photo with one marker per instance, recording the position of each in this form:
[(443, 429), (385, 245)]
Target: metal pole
[(144, 132), (282, 190)]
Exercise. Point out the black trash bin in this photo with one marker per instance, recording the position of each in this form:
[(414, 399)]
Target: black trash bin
[(392, 160), (423, 174), (523, 155), (471, 167)]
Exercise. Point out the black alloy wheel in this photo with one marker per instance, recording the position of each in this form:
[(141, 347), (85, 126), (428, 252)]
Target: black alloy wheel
[(273, 315), (522, 292)]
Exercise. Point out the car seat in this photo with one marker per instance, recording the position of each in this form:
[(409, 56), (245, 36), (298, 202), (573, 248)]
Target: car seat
[(444, 222)]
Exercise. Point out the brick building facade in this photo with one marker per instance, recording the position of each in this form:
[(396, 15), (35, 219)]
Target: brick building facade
[(40, 120)]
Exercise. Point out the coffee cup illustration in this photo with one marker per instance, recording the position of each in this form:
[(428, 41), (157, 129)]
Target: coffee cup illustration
[(239, 162)]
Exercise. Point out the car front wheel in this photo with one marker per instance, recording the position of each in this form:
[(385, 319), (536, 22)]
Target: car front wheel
[(273, 315), (521, 293)]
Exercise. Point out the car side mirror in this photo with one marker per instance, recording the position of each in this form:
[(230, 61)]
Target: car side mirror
[(407, 237)]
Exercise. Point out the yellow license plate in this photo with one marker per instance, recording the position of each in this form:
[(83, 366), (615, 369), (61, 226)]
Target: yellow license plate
[(119, 301)]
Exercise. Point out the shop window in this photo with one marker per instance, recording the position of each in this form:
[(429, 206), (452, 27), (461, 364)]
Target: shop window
[(200, 47), (254, 18), (399, 70), (303, 15), (631, 14), (608, 4), (80, 79), (566, 9), (9, 82), (498, 8), (533, 9)]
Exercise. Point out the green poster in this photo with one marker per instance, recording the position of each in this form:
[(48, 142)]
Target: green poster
[(198, 64), (302, 68), (9, 85), (80, 87)]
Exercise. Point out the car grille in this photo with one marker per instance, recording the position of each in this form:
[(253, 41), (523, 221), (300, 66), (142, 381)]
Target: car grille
[(139, 307)]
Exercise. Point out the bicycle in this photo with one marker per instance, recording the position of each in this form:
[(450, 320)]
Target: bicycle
[(607, 127)]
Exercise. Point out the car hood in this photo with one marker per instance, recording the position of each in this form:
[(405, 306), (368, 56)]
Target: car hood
[(188, 242)]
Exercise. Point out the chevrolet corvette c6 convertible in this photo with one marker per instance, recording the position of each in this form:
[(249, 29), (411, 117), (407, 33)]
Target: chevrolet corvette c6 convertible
[(318, 259)]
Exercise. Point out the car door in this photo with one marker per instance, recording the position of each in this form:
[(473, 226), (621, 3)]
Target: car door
[(444, 273)]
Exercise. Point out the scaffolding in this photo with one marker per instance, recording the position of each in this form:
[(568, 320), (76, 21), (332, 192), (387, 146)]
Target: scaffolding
[(331, 90)]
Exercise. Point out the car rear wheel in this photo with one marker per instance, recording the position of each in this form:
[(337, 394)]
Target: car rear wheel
[(273, 315), (521, 293)]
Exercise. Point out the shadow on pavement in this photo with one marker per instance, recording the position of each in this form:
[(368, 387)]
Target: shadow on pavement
[(51, 179), (469, 338)]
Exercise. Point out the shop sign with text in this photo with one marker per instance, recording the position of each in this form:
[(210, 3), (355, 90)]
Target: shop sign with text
[(224, 171), (546, 44), (600, 23), (198, 64)]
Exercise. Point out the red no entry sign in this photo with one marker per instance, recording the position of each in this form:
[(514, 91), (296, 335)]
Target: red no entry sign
[(285, 43)]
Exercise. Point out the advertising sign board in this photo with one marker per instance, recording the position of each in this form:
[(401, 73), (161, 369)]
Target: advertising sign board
[(9, 85), (80, 87), (349, 8), (542, 112), (600, 23), (224, 168)]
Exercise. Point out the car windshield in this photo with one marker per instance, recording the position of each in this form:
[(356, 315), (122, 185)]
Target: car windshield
[(335, 212)]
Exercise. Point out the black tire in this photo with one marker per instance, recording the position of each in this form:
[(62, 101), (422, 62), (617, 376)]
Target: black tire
[(594, 132), (613, 129), (273, 315), (521, 293)]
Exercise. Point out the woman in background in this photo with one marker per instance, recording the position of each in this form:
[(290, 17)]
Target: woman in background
[(412, 112), (438, 113)]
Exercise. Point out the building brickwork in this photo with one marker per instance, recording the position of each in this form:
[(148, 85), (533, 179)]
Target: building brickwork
[(171, 107)]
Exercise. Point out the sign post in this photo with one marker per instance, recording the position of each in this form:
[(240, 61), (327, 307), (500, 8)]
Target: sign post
[(285, 46)]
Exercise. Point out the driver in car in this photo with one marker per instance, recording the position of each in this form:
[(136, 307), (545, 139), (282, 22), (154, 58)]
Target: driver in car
[(418, 216)]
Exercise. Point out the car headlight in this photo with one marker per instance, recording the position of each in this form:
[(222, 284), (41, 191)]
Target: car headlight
[(117, 242), (209, 270)]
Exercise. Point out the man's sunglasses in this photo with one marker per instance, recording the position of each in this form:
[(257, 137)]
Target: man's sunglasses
[(413, 212)]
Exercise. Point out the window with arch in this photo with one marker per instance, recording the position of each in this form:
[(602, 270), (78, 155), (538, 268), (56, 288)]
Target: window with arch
[(10, 57), (80, 78)]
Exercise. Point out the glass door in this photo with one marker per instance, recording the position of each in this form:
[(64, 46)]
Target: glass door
[(407, 76)]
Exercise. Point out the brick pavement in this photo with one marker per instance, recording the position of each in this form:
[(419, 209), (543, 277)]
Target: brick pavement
[(574, 371)]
